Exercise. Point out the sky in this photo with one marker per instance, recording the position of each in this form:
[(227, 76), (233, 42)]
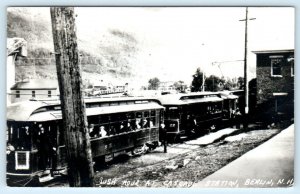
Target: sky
[(176, 41)]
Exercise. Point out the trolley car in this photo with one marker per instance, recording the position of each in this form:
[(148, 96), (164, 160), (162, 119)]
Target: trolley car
[(186, 114), (35, 140), (230, 105)]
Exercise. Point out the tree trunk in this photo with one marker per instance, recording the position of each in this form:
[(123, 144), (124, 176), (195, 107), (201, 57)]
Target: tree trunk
[(79, 156)]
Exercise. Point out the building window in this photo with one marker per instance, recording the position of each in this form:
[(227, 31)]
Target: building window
[(17, 94), (33, 94), (49, 93), (276, 65)]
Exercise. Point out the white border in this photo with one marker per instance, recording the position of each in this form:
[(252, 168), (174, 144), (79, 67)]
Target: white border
[(5, 3)]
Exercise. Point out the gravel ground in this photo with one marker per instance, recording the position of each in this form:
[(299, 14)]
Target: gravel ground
[(182, 170)]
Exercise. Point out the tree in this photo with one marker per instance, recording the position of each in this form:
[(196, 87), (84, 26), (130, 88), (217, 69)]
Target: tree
[(230, 84), (197, 82), (241, 82), (214, 83), (153, 83), (180, 86)]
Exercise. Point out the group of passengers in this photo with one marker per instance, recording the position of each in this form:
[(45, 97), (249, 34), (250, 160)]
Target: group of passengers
[(117, 128)]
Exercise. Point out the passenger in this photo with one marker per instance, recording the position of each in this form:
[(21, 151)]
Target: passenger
[(102, 132), (122, 128), (163, 136), (191, 124), (112, 130), (92, 131), (151, 123), (129, 127), (27, 138), (144, 123), (44, 148), (137, 124)]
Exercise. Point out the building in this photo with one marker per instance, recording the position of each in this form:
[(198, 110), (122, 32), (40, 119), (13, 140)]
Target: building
[(275, 81), (166, 86), (16, 47), (34, 89)]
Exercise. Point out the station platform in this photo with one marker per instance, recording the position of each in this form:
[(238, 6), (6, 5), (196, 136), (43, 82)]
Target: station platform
[(269, 165)]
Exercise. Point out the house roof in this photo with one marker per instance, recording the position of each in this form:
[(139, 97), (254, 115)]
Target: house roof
[(36, 84), (16, 45), (273, 51)]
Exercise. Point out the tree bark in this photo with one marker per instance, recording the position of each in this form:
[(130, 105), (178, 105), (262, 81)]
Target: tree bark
[(79, 156)]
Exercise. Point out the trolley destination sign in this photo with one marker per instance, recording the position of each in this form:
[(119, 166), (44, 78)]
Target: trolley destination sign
[(161, 103)]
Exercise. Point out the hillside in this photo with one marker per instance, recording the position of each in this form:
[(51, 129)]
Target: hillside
[(108, 55)]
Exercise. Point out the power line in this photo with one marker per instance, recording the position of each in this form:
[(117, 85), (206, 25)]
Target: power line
[(216, 62)]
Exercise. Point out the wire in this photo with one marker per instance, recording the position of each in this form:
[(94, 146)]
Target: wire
[(215, 62)]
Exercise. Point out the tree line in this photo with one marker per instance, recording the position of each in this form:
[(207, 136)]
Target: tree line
[(201, 82)]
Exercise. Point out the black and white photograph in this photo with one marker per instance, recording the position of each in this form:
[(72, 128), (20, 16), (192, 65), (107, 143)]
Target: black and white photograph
[(150, 97)]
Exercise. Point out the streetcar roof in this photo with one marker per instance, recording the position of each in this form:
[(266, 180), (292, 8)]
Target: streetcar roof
[(228, 95), (21, 111), (37, 110), (100, 99), (55, 115), (191, 98)]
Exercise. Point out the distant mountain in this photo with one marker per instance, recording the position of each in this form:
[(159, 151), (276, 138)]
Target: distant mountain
[(109, 55)]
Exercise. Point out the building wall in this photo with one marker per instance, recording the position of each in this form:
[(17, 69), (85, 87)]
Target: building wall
[(10, 78), (268, 84), (27, 94)]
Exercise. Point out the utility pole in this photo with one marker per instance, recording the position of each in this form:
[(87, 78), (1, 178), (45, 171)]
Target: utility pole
[(203, 81), (79, 156), (245, 68)]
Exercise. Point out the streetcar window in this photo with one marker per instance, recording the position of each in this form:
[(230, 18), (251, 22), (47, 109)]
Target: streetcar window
[(152, 113), (103, 130), (104, 104), (173, 112), (17, 94), (152, 121), (20, 136), (113, 104), (130, 102), (130, 115), (93, 105), (93, 132), (123, 116), (104, 119), (145, 123), (112, 129), (122, 103), (93, 120), (146, 114), (114, 117), (137, 124), (138, 115)]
